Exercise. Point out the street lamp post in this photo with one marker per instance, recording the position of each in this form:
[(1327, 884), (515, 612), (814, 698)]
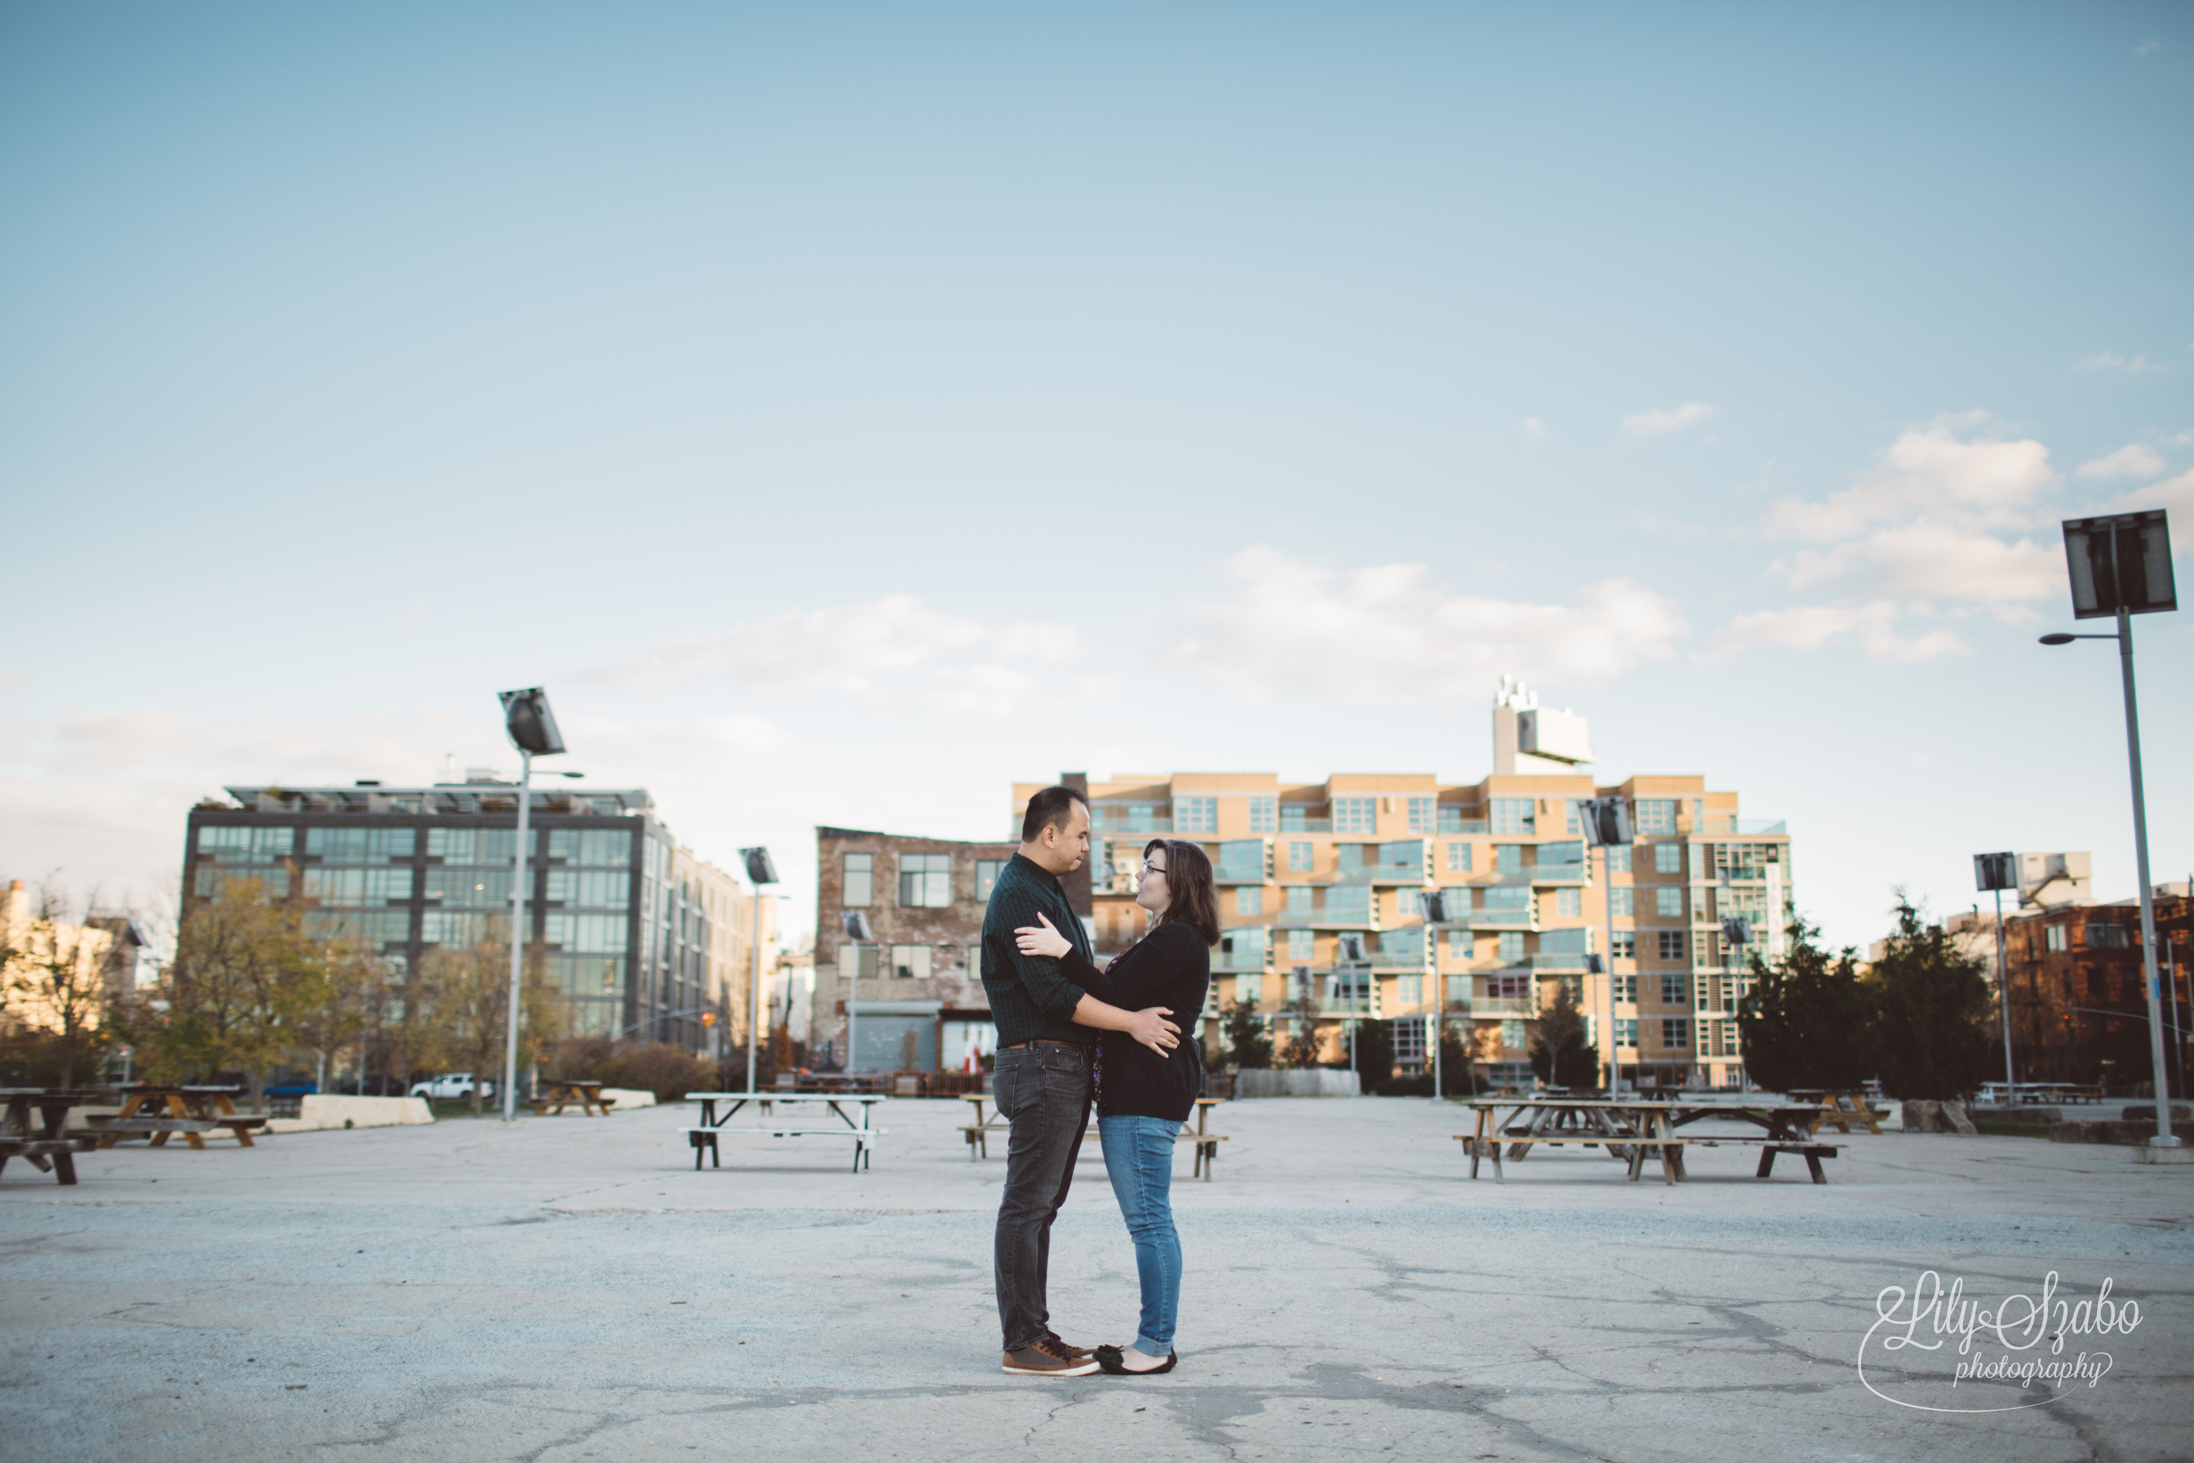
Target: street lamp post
[(2120, 566), (1436, 919), (1736, 934), (760, 871), (1352, 956), (532, 728), (1994, 873), (1606, 822)]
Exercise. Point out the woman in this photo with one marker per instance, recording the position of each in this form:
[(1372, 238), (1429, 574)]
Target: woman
[(1144, 1096)]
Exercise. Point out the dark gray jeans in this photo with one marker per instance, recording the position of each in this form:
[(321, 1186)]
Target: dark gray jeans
[(1043, 1092)]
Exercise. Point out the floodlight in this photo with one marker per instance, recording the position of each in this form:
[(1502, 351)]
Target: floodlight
[(2122, 562), (759, 868), (1737, 930), (1436, 907), (857, 928), (1352, 949), (1995, 871), (532, 726), (1606, 821)]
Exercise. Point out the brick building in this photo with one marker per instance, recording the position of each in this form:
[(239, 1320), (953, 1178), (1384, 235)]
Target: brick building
[(2079, 1012)]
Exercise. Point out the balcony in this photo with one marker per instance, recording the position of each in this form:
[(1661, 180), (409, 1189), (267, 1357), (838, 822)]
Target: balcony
[(1504, 1006), (1304, 825), (1557, 962)]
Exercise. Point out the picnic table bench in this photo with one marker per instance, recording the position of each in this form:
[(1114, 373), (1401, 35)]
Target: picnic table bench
[(32, 1128), (563, 1094), (191, 1111), (1841, 1108), (1632, 1131), (851, 1111)]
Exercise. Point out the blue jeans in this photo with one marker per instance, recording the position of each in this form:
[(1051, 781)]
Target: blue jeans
[(1139, 1158)]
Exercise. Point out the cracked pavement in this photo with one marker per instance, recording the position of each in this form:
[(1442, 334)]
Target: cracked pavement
[(570, 1289)]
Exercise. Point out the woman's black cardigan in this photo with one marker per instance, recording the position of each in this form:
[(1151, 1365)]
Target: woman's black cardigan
[(1170, 966)]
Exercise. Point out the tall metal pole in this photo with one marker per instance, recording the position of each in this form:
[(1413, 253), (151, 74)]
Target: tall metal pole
[(1607, 873), (754, 1019), (853, 991), (2003, 1002), (517, 935), (2163, 1138)]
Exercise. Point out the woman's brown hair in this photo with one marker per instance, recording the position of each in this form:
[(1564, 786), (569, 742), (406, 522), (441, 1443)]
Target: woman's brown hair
[(1194, 900)]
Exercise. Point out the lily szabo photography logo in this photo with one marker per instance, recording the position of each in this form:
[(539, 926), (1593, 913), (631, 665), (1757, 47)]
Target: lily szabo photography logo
[(1938, 1349)]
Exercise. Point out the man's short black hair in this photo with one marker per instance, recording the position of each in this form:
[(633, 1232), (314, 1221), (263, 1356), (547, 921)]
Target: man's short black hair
[(1050, 809)]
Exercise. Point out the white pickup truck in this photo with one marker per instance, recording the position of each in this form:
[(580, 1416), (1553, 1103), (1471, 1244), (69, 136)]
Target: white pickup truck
[(450, 1087)]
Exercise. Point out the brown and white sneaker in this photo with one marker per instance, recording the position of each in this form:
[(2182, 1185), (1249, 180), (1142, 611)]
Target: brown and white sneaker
[(1049, 1358)]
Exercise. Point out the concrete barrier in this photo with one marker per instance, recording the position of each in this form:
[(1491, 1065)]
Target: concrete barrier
[(624, 1097), (320, 1111), (1292, 1082)]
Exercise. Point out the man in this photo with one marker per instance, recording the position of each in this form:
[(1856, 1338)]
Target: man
[(1048, 1029)]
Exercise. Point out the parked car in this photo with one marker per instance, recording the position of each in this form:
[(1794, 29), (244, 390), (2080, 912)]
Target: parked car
[(449, 1087), (296, 1087), (377, 1086)]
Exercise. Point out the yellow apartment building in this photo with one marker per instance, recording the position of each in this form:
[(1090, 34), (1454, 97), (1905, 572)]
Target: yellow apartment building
[(1528, 903)]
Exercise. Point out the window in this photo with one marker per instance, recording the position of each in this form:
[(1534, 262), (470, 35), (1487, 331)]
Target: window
[(1672, 944), (1458, 858), (925, 881), (1626, 1031), (910, 962), (1626, 944), (1626, 987), (1422, 814), (1298, 900), (860, 879), (1654, 816), (1618, 858), (1451, 819), (1673, 992), (1249, 901), (601, 847), (1569, 903), (1355, 815), (1668, 901), (2054, 937), (865, 967), (1458, 990), (1196, 815), (986, 877), (1458, 945), (1622, 903), (604, 933), (1676, 1033), (473, 845), (1668, 858), (1242, 949), (2101, 936), (464, 884), (1409, 990), (1505, 897), (1299, 858), (1513, 815), (1512, 1035), (357, 886), (1508, 858), (1576, 822), (1408, 855), (248, 845), (1348, 901), (1561, 855), (1250, 986), (1348, 858), (1302, 947), (1241, 858), (590, 888), (1408, 904), (1402, 945), (1294, 818), (974, 960), (1510, 946), (443, 927), (1264, 815), (1508, 987)]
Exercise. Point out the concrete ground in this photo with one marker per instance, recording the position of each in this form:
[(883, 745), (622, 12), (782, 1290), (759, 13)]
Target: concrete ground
[(570, 1289)]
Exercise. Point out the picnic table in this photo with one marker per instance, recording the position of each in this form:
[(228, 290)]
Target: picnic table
[(1632, 1130), (32, 1128), (191, 1111), (562, 1094), (980, 1132), (851, 1111), (1841, 1108)]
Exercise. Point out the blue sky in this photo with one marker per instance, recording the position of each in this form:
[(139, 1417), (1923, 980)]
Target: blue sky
[(847, 410)]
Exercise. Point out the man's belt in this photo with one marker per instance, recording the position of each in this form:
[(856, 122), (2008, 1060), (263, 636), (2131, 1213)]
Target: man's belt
[(1080, 1046)]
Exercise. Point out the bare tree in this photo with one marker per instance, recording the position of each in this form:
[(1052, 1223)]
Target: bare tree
[(53, 983)]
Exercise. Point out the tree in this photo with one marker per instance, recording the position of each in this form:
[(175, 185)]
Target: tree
[(333, 1001), (1808, 1022), (53, 985), (1456, 1055), (222, 1004), (1302, 1046), (1932, 1040), (1247, 1037), (1560, 1054), (1373, 1057), (470, 989)]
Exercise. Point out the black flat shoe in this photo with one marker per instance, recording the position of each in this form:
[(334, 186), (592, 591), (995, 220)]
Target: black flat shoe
[(1109, 1357)]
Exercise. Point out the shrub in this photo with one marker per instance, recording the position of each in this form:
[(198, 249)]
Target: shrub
[(1246, 1037), (652, 1066)]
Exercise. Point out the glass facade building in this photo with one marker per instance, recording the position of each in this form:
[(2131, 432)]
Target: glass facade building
[(624, 918)]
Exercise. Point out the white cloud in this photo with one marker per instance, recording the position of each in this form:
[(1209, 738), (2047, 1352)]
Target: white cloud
[(2132, 461), (846, 648), (2125, 365), (1872, 626), (2173, 494), (1381, 634), (1533, 428), (1928, 470), (1656, 422)]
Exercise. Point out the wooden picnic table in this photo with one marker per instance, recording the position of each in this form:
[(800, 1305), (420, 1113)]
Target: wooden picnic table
[(191, 1111), (980, 1132), (563, 1094), (852, 1111), (1841, 1108), (33, 1128), (1632, 1130)]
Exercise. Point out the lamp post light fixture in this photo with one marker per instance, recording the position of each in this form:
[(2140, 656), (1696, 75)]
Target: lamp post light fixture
[(2120, 566), (1994, 873), (760, 871), (532, 729), (859, 932), (1606, 822)]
